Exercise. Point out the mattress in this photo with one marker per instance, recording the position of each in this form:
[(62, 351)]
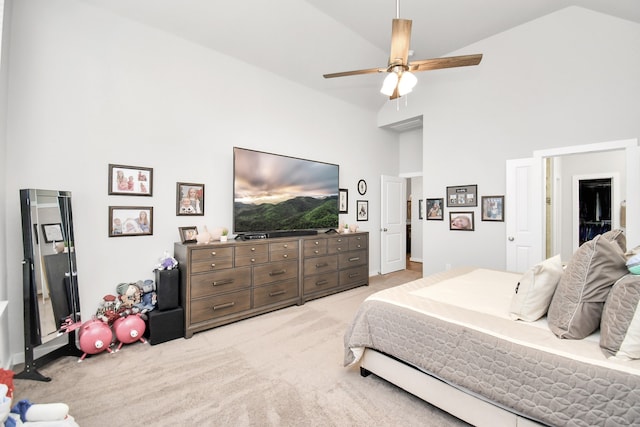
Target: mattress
[(455, 326)]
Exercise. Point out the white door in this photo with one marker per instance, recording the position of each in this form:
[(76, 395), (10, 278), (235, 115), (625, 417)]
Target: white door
[(523, 236), (393, 228)]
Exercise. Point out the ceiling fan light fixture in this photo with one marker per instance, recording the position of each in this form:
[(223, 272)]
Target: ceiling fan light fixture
[(407, 82), (389, 84)]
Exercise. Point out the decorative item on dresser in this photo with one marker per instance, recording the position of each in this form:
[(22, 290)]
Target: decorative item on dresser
[(223, 282)]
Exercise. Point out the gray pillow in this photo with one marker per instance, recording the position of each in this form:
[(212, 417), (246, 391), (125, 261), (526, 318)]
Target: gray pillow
[(617, 236), (576, 306), (620, 324)]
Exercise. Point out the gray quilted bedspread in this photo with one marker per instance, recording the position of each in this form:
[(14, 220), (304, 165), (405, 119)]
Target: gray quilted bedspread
[(546, 387)]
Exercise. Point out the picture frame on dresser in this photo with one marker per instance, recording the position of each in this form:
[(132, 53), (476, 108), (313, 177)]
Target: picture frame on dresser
[(130, 180), (188, 234)]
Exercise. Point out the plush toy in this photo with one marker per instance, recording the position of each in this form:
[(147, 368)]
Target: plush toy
[(148, 298), (108, 309), (26, 414), (167, 262), (129, 294), (204, 237)]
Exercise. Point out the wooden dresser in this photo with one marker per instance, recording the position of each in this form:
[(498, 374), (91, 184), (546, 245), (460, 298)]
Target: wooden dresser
[(223, 282)]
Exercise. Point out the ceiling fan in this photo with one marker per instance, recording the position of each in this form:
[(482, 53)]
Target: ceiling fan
[(401, 79)]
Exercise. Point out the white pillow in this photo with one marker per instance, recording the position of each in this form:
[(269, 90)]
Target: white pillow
[(534, 291)]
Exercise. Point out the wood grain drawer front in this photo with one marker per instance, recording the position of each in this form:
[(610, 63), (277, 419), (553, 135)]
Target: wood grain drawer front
[(352, 259), (256, 250), (220, 282), (275, 271), (250, 260), (338, 245), (357, 242), (284, 255), (354, 275), (271, 294), (320, 282), (320, 264), (209, 259), (289, 245), (315, 247), (221, 305)]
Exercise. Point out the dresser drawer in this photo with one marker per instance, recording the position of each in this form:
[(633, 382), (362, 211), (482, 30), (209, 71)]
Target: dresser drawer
[(258, 258), (288, 245), (284, 255), (338, 245), (352, 259), (222, 305), (320, 282), (320, 264), (354, 275), (210, 259), (357, 242), (220, 281), (314, 247), (263, 274), (254, 250), (271, 294)]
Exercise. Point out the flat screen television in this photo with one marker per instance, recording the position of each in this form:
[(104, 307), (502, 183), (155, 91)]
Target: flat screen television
[(273, 192)]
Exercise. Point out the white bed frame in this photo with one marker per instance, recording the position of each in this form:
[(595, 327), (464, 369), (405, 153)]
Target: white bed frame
[(446, 397)]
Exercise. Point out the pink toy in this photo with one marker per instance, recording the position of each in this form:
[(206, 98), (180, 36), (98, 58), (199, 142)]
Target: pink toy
[(129, 329), (95, 337)]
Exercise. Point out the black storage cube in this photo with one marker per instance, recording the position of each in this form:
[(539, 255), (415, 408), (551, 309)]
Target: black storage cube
[(168, 289), (165, 325)]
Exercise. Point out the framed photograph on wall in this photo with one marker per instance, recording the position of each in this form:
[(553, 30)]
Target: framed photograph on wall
[(434, 209), (52, 232), (461, 221), (492, 208), (362, 210), (343, 200), (188, 234), (189, 199), (462, 196), (130, 221), (130, 180)]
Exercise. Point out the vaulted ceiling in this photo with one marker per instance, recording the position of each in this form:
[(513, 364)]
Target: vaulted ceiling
[(300, 40)]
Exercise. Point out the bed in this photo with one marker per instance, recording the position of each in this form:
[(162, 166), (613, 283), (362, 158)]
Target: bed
[(448, 339)]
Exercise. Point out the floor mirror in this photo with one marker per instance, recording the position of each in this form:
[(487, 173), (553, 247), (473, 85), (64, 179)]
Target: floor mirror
[(50, 281)]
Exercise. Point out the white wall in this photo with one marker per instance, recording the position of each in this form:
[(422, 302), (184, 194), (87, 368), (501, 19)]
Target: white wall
[(88, 88), (569, 78)]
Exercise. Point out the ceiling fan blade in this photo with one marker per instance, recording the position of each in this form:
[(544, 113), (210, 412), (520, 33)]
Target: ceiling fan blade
[(354, 73), (400, 40), (448, 62)]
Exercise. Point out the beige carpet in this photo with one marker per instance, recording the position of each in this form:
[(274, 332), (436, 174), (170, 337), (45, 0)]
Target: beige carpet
[(279, 369)]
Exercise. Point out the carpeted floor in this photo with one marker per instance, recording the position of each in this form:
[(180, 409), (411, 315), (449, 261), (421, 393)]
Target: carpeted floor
[(279, 369)]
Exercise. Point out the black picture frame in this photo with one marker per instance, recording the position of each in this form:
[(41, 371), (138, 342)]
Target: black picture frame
[(461, 221), (130, 180), (462, 196), (188, 204), (343, 201), (125, 221), (435, 210), (188, 234), (52, 232), (492, 208), (362, 210)]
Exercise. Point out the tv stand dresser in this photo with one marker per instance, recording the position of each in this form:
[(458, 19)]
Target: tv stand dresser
[(222, 282)]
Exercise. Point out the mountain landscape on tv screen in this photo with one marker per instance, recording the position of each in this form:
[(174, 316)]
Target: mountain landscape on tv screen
[(300, 213)]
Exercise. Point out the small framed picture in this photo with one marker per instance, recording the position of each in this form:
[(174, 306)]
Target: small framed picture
[(188, 234), (52, 232), (189, 199), (362, 207), (461, 221), (434, 209), (130, 221), (462, 196), (493, 208), (343, 200), (130, 180)]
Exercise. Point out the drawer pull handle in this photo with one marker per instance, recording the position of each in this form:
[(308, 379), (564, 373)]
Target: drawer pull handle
[(285, 256), (355, 258), (322, 282), (339, 240), (213, 266), (285, 246), (359, 246), (253, 260), (353, 275), (316, 243), (324, 264), (316, 252), (213, 253), (339, 249), (222, 282), (253, 249), (276, 293), (226, 305), (277, 272)]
